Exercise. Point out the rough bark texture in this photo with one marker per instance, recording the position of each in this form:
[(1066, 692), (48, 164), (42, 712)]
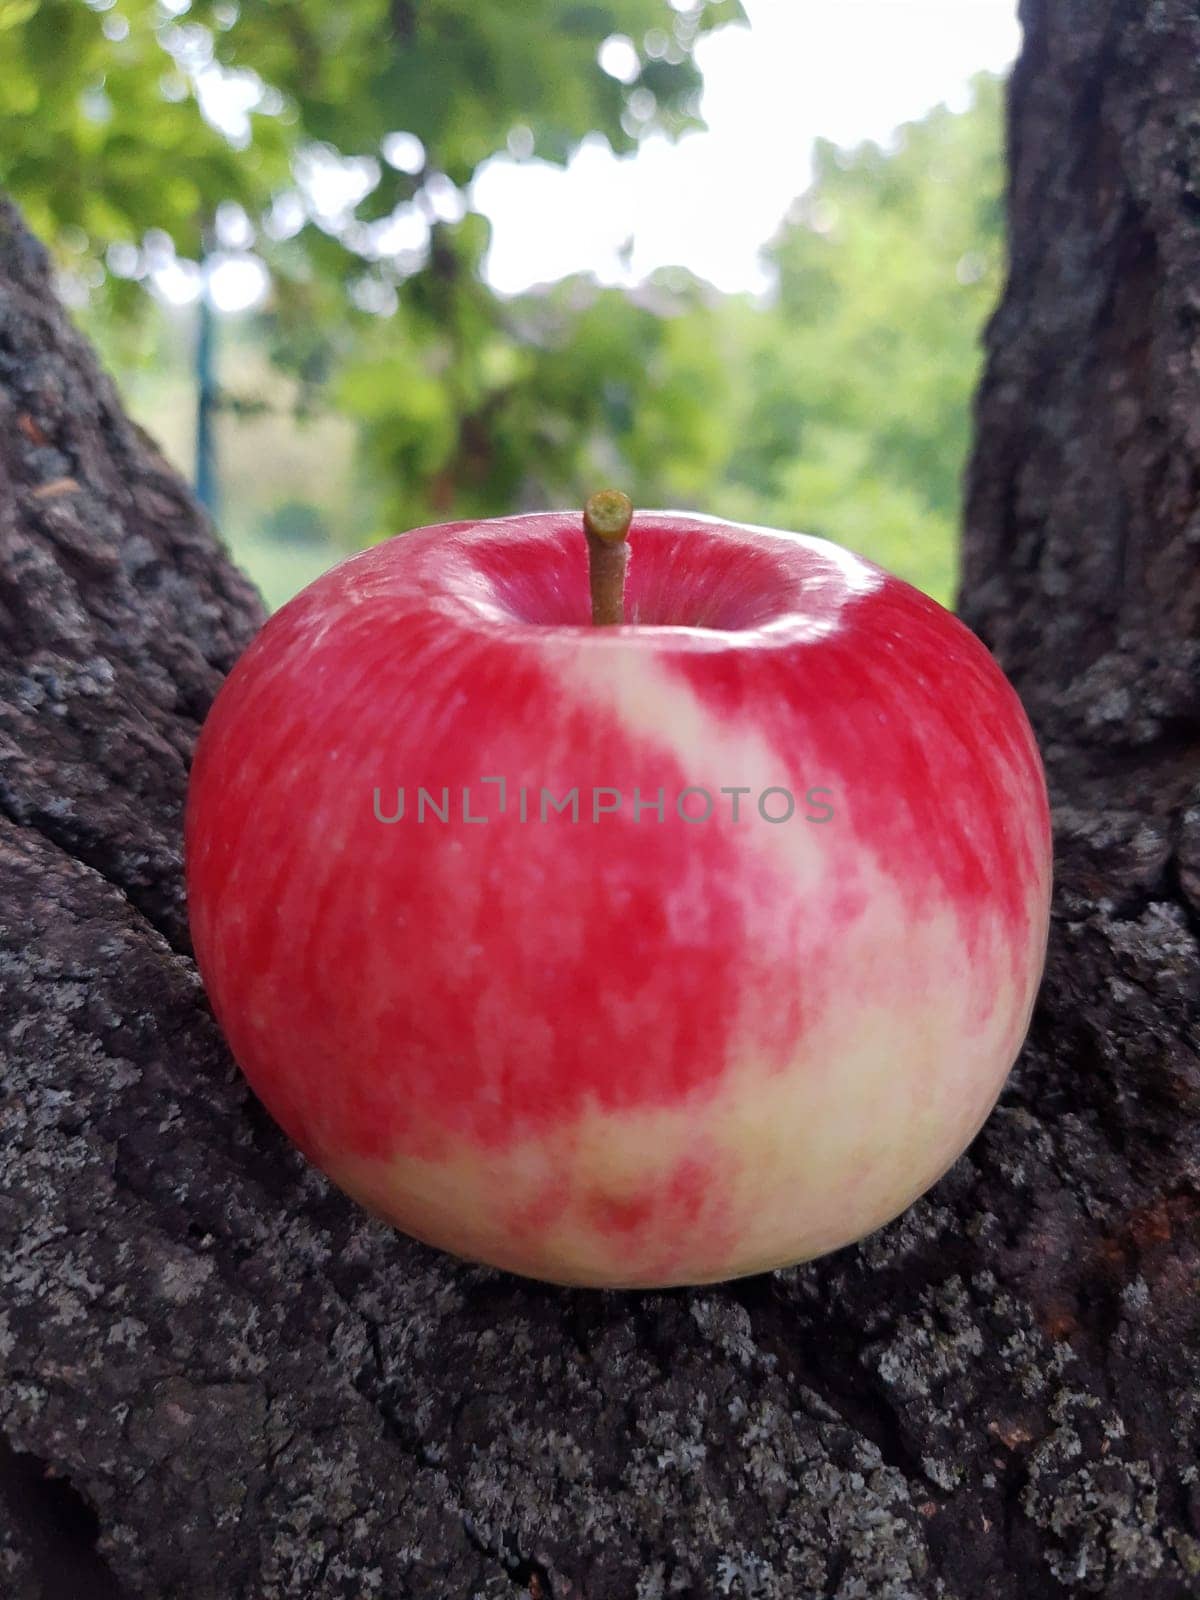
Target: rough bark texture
[(220, 1380)]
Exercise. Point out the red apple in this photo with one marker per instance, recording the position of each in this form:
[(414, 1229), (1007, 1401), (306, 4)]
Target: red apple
[(624, 1049)]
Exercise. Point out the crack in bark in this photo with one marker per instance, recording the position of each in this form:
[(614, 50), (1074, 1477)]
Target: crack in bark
[(57, 1529)]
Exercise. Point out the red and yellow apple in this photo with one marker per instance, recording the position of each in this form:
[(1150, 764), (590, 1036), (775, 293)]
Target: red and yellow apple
[(669, 1030)]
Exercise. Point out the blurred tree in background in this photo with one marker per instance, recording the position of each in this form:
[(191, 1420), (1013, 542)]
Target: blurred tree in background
[(387, 384), (119, 116), (861, 376)]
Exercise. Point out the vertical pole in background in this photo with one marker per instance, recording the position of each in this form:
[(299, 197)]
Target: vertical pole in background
[(206, 397)]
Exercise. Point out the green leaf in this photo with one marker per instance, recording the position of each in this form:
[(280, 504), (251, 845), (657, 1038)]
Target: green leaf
[(15, 12)]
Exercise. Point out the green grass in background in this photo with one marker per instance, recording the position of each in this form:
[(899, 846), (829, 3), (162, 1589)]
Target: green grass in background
[(278, 570)]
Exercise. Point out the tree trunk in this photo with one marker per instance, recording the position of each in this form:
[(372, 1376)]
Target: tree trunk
[(222, 1381)]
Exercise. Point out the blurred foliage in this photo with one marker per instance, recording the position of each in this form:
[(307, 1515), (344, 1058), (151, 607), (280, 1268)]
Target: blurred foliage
[(339, 142), (561, 390), (862, 378), (106, 106), (137, 133), (101, 132)]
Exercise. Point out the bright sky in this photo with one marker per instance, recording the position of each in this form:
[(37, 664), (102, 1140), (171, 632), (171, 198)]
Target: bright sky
[(845, 70)]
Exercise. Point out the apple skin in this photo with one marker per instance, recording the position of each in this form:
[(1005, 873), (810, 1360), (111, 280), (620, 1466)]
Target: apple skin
[(621, 1052)]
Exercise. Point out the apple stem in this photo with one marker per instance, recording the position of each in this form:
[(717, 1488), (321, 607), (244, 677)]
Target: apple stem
[(606, 520)]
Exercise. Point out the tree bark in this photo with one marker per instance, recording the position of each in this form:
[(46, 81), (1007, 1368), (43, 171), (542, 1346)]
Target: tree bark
[(221, 1380)]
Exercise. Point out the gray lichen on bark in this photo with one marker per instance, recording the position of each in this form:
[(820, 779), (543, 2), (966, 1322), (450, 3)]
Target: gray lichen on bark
[(217, 1378)]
